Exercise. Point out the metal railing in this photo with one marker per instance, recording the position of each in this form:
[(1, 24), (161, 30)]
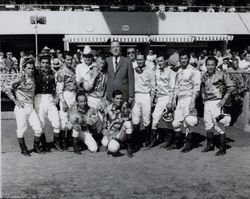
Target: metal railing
[(124, 8)]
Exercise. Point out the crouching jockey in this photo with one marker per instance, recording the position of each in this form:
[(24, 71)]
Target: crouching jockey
[(216, 87), (117, 126), (83, 119), (24, 89), (187, 88)]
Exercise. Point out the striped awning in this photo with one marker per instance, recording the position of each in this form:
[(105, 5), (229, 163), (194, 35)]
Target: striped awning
[(86, 38), (213, 37), (105, 38), (172, 38), (130, 38)]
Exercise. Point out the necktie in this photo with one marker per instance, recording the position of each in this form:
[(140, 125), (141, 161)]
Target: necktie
[(116, 64)]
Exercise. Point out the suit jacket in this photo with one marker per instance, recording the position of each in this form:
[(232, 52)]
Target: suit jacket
[(122, 79)]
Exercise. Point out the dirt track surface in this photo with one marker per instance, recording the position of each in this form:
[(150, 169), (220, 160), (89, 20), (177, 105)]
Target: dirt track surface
[(156, 173)]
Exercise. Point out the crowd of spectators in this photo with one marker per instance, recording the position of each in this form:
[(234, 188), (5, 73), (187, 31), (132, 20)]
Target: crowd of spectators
[(10, 64), (128, 5)]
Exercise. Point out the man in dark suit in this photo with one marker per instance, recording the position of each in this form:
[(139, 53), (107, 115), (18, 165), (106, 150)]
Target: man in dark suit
[(120, 74)]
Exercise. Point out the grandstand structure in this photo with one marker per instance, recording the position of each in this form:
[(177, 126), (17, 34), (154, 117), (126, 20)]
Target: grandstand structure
[(71, 26)]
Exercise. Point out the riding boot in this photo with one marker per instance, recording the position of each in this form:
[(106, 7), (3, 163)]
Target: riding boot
[(222, 150), (153, 138), (63, 134), (147, 136), (76, 146), (36, 145), (210, 142), (57, 142), (129, 146), (45, 147), (136, 137), (69, 139), (168, 139), (188, 145), (178, 141), (23, 147)]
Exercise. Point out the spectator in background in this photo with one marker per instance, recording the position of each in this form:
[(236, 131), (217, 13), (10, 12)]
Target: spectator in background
[(228, 53), (221, 8), (2, 59), (219, 57), (193, 59), (174, 58), (210, 8), (131, 56), (83, 69), (8, 61), (201, 61), (225, 64), (52, 53), (245, 63), (22, 57)]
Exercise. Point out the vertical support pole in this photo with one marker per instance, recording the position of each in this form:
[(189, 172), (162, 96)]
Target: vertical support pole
[(65, 45), (36, 27)]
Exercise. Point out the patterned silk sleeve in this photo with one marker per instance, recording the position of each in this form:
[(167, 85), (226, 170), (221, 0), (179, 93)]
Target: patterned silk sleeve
[(196, 78), (9, 88), (152, 83), (59, 83), (172, 81), (229, 84), (89, 81)]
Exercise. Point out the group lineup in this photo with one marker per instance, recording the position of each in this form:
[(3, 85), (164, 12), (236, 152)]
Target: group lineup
[(113, 102)]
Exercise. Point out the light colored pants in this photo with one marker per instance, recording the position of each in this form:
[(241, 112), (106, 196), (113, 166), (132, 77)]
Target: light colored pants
[(122, 135), (70, 98), (25, 115), (159, 108), (45, 107), (93, 101), (211, 111), (141, 108), (87, 138), (181, 111)]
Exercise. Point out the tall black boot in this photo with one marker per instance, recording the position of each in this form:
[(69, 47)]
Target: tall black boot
[(76, 146), (129, 146), (63, 134), (222, 150), (36, 145), (153, 138), (23, 147), (147, 136), (188, 145), (57, 142), (168, 139), (210, 142), (177, 142), (45, 147), (136, 137), (69, 139)]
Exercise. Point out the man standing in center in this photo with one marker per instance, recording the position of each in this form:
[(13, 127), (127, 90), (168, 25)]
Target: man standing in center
[(120, 74)]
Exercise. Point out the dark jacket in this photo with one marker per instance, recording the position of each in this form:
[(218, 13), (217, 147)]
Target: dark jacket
[(122, 79)]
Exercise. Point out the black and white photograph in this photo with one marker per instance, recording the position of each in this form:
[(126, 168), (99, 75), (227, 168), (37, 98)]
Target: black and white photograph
[(112, 99)]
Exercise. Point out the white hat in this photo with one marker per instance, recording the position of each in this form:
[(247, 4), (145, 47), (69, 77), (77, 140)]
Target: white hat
[(191, 120), (86, 50), (113, 146), (56, 63), (224, 119), (167, 115)]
